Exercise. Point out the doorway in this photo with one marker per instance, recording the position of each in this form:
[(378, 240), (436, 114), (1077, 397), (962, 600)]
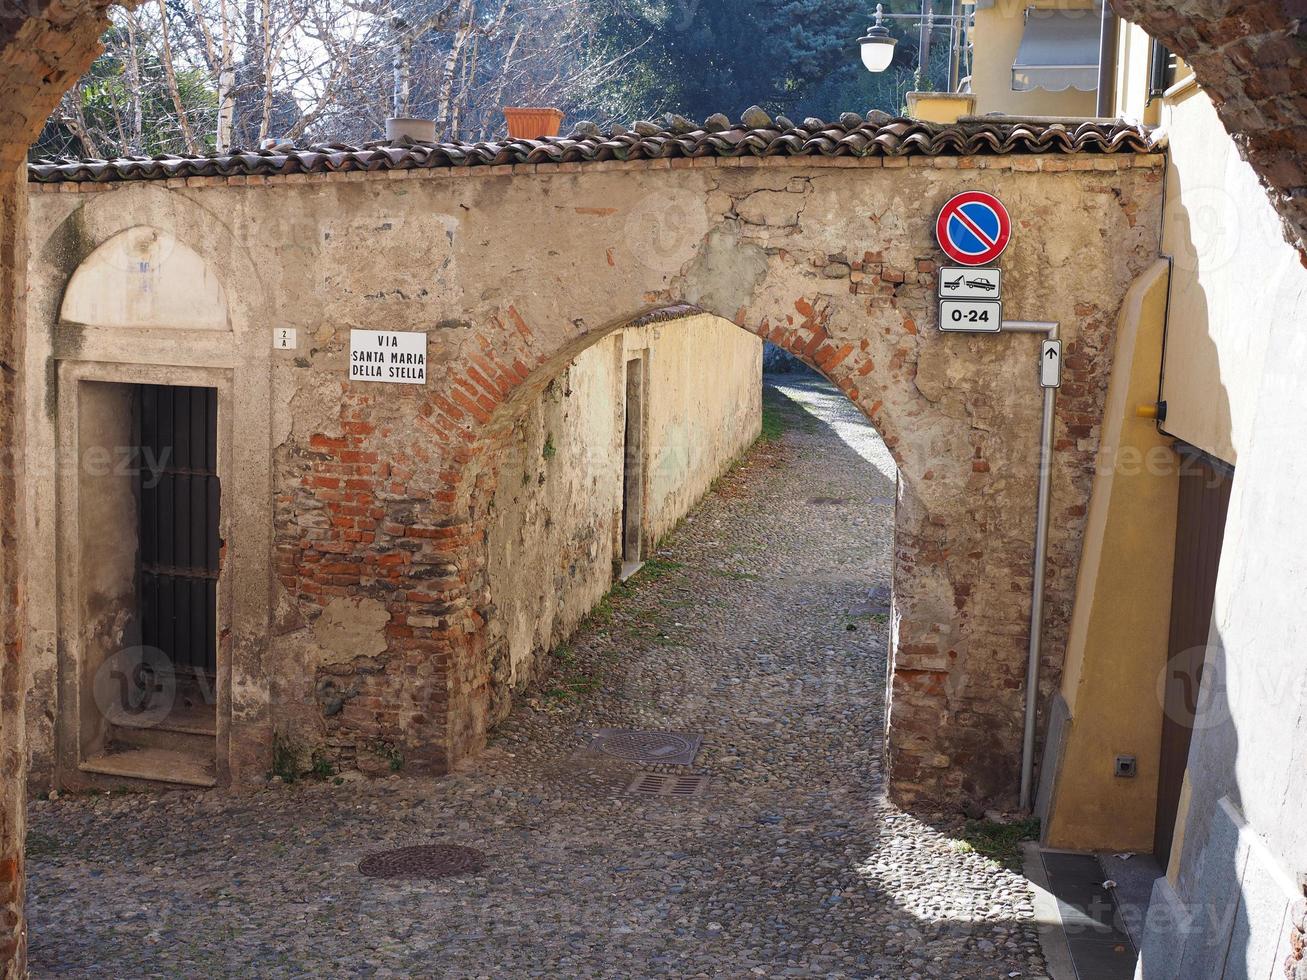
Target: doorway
[(151, 670), (1205, 485), (633, 471)]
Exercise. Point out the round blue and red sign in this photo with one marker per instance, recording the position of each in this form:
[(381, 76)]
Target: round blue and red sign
[(973, 228)]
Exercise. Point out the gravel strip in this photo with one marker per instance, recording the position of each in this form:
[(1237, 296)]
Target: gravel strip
[(792, 864)]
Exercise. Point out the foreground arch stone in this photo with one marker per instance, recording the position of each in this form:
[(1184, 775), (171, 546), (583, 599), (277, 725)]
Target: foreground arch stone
[(44, 46), (514, 270), (1250, 57)]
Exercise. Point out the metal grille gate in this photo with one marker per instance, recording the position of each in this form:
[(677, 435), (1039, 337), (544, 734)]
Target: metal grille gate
[(179, 497)]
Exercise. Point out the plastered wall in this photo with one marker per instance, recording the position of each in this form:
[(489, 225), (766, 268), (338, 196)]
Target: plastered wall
[(557, 511), (1234, 277)]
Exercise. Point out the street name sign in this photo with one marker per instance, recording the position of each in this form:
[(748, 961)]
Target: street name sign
[(966, 283), (970, 315), (393, 356)]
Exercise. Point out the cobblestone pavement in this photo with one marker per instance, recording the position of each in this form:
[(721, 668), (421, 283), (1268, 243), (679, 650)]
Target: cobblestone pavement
[(791, 864)]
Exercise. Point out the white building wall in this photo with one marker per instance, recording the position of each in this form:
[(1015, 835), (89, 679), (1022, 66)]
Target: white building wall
[(1234, 279), (1236, 347)]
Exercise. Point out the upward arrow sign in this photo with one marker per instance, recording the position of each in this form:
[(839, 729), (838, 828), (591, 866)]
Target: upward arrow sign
[(1050, 364)]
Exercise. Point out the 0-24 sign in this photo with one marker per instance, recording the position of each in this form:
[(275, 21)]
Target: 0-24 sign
[(970, 315)]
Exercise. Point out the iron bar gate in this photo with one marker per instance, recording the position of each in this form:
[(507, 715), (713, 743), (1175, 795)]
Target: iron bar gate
[(179, 506)]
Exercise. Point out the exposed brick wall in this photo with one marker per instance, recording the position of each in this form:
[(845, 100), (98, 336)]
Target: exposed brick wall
[(45, 45), (355, 526), (1251, 58), (13, 745)]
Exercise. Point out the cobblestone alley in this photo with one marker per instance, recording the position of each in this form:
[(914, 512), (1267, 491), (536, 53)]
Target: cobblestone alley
[(756, 626)]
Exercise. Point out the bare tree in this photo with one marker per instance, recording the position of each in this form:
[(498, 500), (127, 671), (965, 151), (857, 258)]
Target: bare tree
[(196, 76)]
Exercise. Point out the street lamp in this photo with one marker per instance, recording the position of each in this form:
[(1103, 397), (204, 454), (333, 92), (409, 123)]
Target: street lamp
[(877, 46)]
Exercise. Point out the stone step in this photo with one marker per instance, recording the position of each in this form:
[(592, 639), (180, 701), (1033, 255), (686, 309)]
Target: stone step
[(189, 719), (189, 727), (154, 764)]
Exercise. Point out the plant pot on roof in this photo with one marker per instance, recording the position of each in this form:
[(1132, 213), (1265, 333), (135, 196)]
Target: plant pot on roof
[(531, 123)]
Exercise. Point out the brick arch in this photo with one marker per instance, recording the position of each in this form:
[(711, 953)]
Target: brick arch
[(516, 385), (833, 262), (1250, 57), (488, 430)]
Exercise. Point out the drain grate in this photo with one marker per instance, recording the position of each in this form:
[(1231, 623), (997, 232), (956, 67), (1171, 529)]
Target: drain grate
[(423, 861), (670, 748), (666, 784)]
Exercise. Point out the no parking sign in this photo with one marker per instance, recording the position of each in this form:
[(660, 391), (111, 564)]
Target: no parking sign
[(973, 228)]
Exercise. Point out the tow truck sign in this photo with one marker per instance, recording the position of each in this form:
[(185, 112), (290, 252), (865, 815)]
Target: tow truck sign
[(965, 283)]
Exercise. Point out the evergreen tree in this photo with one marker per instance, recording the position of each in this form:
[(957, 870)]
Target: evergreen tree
[(796, 57)]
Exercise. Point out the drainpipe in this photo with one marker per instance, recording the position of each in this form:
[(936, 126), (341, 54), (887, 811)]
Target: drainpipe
[(1049, 329), (1106, 62)]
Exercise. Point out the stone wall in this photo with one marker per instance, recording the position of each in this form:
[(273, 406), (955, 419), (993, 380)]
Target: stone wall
[(384, 494)]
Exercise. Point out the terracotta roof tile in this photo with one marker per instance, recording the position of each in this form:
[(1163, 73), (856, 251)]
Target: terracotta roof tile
[(878, 134)]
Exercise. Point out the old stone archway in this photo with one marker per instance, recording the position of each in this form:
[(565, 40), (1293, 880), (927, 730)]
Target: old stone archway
[(514, 268), (63, 38)]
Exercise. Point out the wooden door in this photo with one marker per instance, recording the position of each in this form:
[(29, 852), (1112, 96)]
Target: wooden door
[(1204, 499)]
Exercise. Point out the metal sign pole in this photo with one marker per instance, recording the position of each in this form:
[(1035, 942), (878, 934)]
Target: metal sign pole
[(1049, 329), (973, 228)]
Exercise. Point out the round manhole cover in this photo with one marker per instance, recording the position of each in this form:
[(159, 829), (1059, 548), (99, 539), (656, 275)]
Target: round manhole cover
[(645, 746), (423, 861)]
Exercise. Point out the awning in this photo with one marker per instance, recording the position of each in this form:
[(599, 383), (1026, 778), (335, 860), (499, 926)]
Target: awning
[(1059, 50)]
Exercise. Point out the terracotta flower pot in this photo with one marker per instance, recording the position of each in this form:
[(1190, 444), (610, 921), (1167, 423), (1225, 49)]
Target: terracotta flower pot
[(533, 123)]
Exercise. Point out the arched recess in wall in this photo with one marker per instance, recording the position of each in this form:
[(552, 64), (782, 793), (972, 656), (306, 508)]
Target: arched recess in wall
[(531, 587), (145, 278)]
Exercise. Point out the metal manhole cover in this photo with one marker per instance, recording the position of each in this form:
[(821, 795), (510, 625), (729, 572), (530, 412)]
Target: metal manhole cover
[(666, 784), (670, 748), (423, 861), (828, 501)]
